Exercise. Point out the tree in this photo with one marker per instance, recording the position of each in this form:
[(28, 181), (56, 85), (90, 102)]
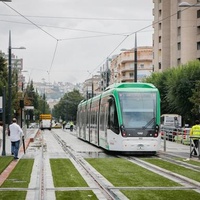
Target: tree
[(3, 74), (176, 89), (32, 98), (195, 99), (66, 108), (3, 79)]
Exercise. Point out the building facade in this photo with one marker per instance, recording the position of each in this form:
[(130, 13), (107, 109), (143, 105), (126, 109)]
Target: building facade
[(92, 86), (122, 66), (176, 38)]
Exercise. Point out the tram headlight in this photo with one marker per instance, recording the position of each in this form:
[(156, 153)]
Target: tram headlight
[(156, 131), (123, 131)]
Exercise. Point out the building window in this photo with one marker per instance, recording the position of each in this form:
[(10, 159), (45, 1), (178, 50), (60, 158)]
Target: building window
[(179, 46), (178, 61), (159, 39), (178, 14), (159, 52), (198, 30), (198, 13), (142, 66), (160, 13), (198, 45), (159, 65), (179, 31), (160, 26), (131, 75)]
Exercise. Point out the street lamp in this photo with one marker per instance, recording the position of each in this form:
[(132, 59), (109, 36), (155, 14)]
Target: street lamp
[(186, 4), (10, 77)]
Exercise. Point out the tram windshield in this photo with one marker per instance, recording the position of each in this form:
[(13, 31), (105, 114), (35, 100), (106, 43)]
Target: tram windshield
[(138, 109)]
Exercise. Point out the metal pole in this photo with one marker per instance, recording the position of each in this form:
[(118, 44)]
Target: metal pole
[(4, 122), (135, 59), (92, 87), (107, 84), (9, 80)]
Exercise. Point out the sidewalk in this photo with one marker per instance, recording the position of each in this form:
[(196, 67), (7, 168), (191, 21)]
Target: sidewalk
[(178, 149), (29, 134)]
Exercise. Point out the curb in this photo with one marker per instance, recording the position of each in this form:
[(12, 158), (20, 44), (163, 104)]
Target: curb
[(4, 175)]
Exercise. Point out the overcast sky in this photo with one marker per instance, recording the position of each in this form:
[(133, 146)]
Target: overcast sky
[(69, 40)]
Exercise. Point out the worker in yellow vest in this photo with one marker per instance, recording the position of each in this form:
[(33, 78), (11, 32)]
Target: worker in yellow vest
[(195, 131)]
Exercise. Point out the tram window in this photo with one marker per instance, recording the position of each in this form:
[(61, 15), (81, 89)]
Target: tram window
[(114, 125)]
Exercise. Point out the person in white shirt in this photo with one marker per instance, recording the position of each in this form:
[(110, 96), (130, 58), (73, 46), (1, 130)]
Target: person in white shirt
[(15, 135)]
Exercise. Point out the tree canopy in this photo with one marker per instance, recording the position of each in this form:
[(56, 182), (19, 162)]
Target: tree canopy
[(179, 90), (66, 108)]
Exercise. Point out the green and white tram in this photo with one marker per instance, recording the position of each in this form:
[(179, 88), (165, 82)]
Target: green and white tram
[(124, 118)]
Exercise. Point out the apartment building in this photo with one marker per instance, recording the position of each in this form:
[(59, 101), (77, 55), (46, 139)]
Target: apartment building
[(91, 86), (176, 38), (122, 65), (17, 67)]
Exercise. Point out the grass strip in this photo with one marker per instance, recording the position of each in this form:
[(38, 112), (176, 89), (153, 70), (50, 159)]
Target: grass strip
[(121, 172), (65, 174), (192, 162), (174, 168), (4, 162), (71, 195), (162, 194), (20, 176), (14, 195)]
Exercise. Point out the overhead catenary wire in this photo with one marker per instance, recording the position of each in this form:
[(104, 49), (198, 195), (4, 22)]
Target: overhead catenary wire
[(142, 29), (54, 54), (78, 18), (67, 28), (31, 21), (41, 30), (126, 36)]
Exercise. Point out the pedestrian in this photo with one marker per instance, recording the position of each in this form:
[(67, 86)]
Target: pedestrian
[(1, 133), (195, 131), (71, 125), (15, 135), (63, 124)]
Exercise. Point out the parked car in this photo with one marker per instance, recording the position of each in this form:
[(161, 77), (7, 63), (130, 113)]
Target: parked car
[(33, 125), (57, 125), (183, 136), (67, 126)]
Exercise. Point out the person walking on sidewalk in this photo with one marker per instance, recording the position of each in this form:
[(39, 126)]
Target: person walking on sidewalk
[(1, 133), (15, 135), (195, 131)]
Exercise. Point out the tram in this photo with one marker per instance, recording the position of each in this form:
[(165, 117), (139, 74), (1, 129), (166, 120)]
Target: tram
[(124, 118)]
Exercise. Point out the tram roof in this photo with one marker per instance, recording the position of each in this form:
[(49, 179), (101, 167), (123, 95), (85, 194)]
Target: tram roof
[(130, 85)]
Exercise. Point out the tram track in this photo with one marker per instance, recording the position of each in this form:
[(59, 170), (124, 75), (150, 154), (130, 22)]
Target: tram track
[(184, 163), (186, 182), (106, 191)]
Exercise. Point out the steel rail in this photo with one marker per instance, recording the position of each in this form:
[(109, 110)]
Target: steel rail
[(163, 172), (110, 195)]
